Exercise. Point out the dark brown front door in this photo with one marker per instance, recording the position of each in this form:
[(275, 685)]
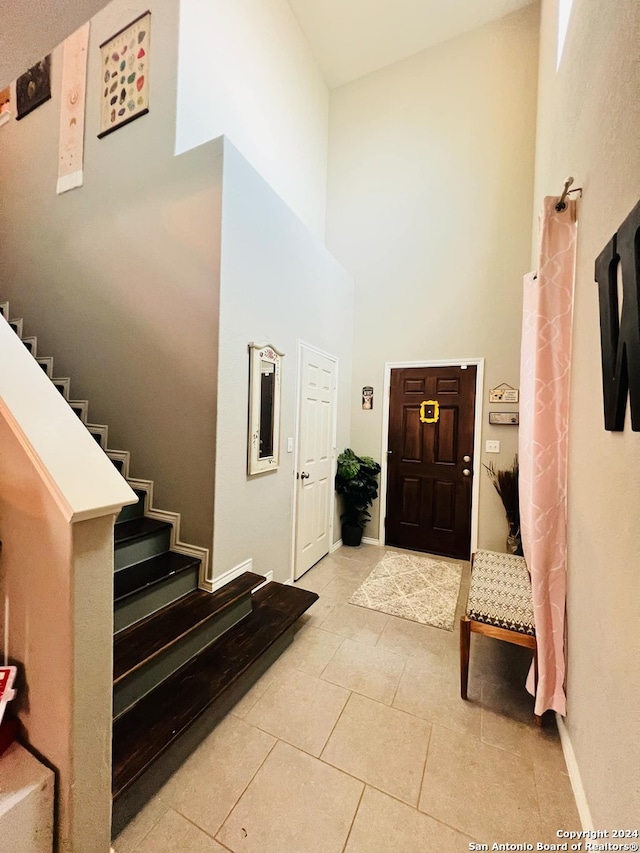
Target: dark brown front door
[(430, 465)]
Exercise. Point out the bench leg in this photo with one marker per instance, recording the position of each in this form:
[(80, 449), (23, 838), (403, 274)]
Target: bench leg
[(465, 643)]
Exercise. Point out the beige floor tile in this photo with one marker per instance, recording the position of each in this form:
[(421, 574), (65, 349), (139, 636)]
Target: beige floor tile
[(274, 674), (430, 688), (381, 746), (319, 576), (312, 650), (556, 802), (173, 834), (508, 722), (368, 670), (411, 638), (384, 825), (295, 804), (317, 613), (342, 587), (356, 623), (485, 792), (142, 823), (301, 709), (209, 784)]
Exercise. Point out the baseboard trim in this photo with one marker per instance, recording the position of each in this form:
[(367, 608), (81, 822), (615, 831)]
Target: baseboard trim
[(366, 540), (232, 574), (574, 775), (268, 577), (335, 546)]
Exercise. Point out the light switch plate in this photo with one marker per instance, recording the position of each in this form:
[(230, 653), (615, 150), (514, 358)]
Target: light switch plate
[(289, 445), (492, 447)]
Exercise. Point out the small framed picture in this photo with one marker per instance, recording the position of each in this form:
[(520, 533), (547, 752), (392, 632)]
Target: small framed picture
[(367, 397), (124, 77), (33, 88)]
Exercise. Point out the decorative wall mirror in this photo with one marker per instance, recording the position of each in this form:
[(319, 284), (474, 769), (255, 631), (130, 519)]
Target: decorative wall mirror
[(264, 408)]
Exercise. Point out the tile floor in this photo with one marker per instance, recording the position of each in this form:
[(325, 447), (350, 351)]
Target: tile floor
[(356, 740)]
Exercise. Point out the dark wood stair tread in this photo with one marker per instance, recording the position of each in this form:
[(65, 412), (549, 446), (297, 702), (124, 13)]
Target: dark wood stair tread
[(133, 579), (145, 731), (137, 528), (147, 638)]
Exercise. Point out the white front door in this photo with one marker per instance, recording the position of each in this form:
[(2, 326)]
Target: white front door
[(315, 463)]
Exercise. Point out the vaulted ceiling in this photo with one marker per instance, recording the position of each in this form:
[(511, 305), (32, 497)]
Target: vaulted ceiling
[(349, 38)]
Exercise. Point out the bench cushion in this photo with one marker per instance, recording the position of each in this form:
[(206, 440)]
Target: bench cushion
[(500, 592)]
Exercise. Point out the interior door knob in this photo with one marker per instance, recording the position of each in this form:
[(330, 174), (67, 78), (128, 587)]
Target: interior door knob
[(466, 459), (466, 472), (304, 475)]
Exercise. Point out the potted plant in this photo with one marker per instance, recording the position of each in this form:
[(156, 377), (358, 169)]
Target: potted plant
[(506, 485), (357, 482)]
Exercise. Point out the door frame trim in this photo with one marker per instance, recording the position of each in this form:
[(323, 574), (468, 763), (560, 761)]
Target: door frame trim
[(477, 436), (296, 444)]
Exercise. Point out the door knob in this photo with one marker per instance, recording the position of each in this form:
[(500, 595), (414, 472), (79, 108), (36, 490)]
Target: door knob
[(466, 472), (304, 476), (466, 459)]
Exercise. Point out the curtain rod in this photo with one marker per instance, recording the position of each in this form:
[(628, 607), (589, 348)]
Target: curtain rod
[(562, 205)]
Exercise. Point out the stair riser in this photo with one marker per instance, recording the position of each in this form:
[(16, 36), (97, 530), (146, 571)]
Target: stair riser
[(127, 692), (133, 510), (138, 550), (147, 601)]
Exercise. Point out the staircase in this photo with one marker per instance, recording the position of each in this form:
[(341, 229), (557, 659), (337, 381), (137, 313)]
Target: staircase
[(182, 656)]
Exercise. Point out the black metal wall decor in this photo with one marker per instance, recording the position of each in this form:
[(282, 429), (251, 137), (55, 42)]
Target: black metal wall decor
[(620, 325)]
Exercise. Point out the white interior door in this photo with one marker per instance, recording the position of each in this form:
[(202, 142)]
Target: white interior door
[(315, 463)]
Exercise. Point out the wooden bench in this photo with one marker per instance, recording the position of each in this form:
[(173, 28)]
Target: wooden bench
[(499, 605)]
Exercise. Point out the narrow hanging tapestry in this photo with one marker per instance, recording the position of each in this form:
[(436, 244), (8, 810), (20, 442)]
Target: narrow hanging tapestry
[(125, 75), (72, 109)]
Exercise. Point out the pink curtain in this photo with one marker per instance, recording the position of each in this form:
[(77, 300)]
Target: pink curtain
[(544, 414)]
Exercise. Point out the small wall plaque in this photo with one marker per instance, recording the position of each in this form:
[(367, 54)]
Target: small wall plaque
[(504, 418), (504, 394), (367, 397)]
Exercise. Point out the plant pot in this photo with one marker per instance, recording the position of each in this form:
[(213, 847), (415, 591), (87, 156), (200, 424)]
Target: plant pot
[(351, 536)]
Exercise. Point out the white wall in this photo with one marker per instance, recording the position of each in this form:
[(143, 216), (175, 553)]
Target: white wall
[(278, 285), (246, 71), (429, 207), (589, 124)]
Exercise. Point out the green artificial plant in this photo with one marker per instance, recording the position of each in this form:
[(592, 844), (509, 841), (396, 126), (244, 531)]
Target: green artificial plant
[(357, 482)]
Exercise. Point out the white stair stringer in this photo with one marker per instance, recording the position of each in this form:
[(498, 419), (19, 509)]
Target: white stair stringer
[(47, 362), (18, 324), (34, 345), (173, 518), (65, 383), (83, 405), (102, 430), (120, 456)]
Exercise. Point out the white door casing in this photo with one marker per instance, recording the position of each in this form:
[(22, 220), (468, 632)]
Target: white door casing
[(315, 457)]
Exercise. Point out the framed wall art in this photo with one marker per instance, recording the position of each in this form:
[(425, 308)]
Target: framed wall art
[(33, 87), (125, 75)]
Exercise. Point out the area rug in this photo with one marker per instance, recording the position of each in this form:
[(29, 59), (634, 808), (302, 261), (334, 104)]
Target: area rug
[(416, 588)]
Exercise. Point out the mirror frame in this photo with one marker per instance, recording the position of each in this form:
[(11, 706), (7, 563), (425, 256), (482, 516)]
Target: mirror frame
[(257, 354)]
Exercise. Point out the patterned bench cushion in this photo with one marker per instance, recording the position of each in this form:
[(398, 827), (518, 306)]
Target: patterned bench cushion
[(500, 592)]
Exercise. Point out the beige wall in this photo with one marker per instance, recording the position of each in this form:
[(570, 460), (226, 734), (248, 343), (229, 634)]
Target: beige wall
[(429, 207), (279, 285), (589, 126), (246, 71), (119, 279)]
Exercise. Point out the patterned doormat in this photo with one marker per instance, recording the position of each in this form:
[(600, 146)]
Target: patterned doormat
[(416, 588)]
